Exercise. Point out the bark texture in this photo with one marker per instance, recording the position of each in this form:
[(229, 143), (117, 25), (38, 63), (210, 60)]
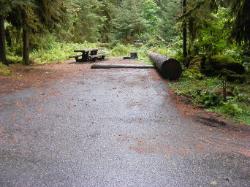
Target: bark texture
[(2, 41)]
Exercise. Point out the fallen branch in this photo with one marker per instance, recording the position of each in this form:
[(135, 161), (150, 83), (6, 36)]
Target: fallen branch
[(113, 66)]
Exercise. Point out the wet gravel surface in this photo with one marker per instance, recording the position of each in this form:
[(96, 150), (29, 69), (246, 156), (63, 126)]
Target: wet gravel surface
[(113, 128)]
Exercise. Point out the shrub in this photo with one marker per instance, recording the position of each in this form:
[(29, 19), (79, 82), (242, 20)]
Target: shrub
[(58, 51), (121, 50), (231, 108), (13, 59), (222, 59), (192, 74), (4, 70), (209, 99)]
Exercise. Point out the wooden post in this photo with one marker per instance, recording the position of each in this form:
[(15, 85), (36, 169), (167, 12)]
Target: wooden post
[(2, 41)]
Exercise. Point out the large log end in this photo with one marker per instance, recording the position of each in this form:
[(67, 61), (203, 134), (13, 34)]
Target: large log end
[(169, 68)]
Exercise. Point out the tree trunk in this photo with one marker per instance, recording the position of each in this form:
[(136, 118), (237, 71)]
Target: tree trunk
[(26, 46), (8, 38), (184, 32), (2, 41), (224, 85)]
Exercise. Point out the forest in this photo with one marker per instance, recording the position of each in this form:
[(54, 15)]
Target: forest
[(211, 38)]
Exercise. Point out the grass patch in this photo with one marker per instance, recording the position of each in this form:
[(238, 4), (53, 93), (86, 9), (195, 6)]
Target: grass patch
[(14, 59), (121, 50), (58, 52), (4, 70), (54, 52), (235, 110)]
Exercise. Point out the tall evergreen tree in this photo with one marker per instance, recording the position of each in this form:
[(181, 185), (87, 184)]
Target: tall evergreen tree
[(2, 41), (184, 32), (5, 9), (168, 11), (241, 27), (33, 16)]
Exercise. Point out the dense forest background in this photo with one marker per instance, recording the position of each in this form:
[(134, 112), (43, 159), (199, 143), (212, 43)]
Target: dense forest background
[(94, 21), (207, 26), (210, 37)]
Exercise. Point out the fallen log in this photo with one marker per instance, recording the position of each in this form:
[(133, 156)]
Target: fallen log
[(169, 68), (113, 66)]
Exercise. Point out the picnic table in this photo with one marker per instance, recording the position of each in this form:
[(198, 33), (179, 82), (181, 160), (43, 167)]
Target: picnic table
[(88, 55)]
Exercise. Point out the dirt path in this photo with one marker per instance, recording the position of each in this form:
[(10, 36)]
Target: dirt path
[(82, 127)]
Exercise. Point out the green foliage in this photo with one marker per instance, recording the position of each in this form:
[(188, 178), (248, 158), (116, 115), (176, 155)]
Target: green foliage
[(77, 21), (231, 108), (168, 12), (191, 87), (223, 59), (210, 26), (234, 52), (125, 50), (136, 20), (14, 59), (86, 21), (108, 13), (172, 50), (208, 99), (207, 92), (121, 50), (211, 36), (58, 52), (193, 74), (36, 14), (4, 70), (150, 12)]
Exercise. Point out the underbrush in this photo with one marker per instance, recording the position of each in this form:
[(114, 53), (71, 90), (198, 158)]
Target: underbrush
[(58, 52), (207, 93), (46, 48), (121, 50), (62, 51), (4, 70)]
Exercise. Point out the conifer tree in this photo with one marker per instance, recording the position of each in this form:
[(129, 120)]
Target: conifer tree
[(5, 9), (241, 27)]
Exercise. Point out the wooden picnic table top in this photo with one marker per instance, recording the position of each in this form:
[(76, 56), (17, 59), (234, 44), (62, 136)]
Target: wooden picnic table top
[(85, 50)]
